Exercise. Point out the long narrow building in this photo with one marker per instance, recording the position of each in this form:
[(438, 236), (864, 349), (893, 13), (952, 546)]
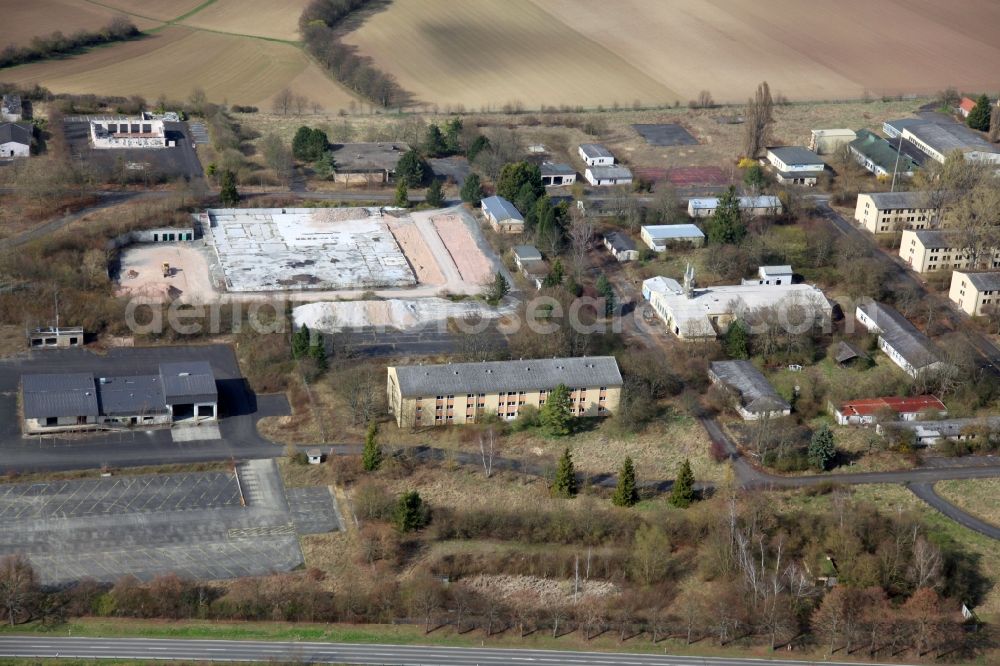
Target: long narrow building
[(457, 393)]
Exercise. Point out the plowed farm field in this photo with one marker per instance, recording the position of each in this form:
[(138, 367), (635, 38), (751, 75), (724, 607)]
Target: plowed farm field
[(23, 20), (493, 52), (262, 18), (174, 60)]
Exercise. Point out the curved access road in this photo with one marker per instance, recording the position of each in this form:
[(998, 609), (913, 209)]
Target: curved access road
[(141, 649), (926, 492)]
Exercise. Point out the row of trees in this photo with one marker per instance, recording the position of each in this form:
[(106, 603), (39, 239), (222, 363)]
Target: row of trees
[(56, 44), (317, 25)]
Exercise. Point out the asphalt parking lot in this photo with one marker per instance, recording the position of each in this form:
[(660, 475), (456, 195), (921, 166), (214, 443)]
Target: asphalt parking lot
[(666, 134), (179, 161), (193, 524)]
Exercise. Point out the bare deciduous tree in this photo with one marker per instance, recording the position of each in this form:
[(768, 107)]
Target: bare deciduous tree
[(994, 134), (282, 102), (581, 234), (487, 449), (18, 588), (759, 120)]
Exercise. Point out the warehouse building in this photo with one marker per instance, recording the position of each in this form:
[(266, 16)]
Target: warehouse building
[(659, 236), (179, 393), (458, 393), (899, 339), (752, 206), (755, 397)]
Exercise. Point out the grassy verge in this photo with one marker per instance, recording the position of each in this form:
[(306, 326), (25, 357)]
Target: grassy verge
[(71, 475), (977, 496)]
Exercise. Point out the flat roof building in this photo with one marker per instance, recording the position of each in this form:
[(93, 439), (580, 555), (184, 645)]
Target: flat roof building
[(53, 337), (976, 294), (143, 131), (753, 206), (502, 215), (899, 339), (827, 141), (658, 236), (181, 392), (890, 212), (458, 393), (367, 163), (929, 433), (940, 139), (756, 398), (694, 312)]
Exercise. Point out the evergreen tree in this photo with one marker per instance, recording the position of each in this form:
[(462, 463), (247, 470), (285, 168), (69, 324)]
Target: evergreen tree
[(229, 195), (410, 512), (626, 492), (515, 175), (434, 144), (308, 145), (755, 179), (682, 493), (371, 457), (412, 168), (555, 276), (472, 189), (607, 292), (317, 352), (453, 136), (478, 145), (325, 166), (737, 340), (979, 117), (435, 197), (565, 481), (402, 194), (821, 448), (726, 224), (556, 415), (301, 340), (498, 289)]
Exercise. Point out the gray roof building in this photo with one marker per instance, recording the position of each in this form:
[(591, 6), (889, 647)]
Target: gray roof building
[(845, 351), (897, 331), (934, 238), (795, 155), (898, 200), (882, 154), (59, 395), (188, 382), (927, 433), (524, 253), (556, 169), (495, 376), (127, 396), (615, 171), (620, 242), (595, 151), (500, 209), (15, 133), (984, 281), (757, 395)]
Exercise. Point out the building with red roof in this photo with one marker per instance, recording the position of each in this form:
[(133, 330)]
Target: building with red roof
[(868, 410), (966, 106)]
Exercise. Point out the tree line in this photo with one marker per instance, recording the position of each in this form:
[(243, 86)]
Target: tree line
[(318, 28), (55, 44)]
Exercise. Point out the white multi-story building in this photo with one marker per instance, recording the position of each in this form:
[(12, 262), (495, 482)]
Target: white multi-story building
[(144, 131)]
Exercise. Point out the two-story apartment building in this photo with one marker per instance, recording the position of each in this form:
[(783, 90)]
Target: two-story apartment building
[(889, 212), (930, 250), (458, 393), (976, 294)]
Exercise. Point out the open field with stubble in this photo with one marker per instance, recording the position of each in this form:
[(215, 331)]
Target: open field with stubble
[(262, 18), (492, 52)]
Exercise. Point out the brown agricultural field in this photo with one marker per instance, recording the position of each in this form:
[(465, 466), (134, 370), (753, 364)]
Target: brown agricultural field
[(589, 52), (262, 18), (161, 10), (487, 53), (24, 20), (175, 59)]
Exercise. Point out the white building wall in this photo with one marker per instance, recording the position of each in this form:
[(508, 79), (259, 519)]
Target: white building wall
[(14, 149)]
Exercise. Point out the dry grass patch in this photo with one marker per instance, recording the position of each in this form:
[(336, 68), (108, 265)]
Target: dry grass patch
[(173, 61), (977, 496)]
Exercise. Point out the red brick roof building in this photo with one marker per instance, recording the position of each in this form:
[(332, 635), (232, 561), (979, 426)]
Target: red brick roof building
[(867, 410)]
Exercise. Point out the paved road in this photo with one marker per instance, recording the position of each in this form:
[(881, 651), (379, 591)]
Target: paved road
[(925, 491), (342, 653)]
